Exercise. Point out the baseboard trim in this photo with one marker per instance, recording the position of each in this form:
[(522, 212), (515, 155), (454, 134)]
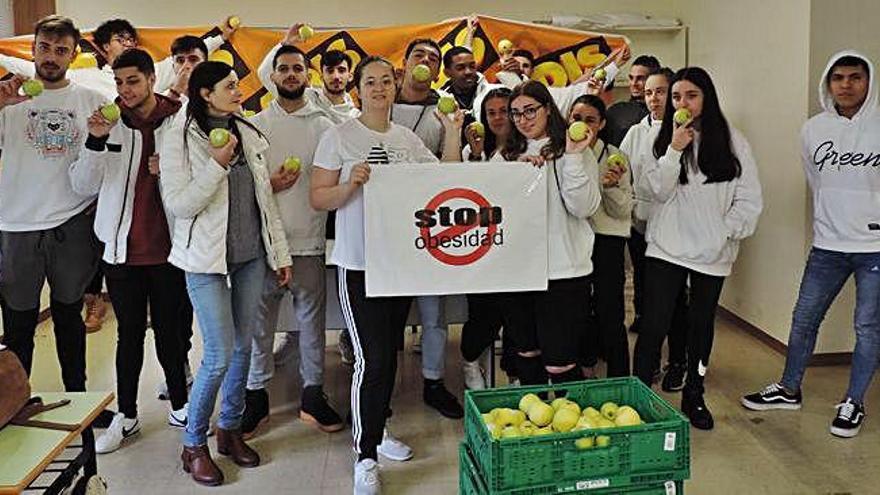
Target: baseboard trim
[(823, 359)]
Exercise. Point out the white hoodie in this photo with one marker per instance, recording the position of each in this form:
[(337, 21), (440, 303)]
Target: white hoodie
[(573, 196), (841, 158), (698, 225), (296, 135), (638, 146)]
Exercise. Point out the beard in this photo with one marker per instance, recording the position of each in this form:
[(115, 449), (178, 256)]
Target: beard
[(48, 77), (289, 94)]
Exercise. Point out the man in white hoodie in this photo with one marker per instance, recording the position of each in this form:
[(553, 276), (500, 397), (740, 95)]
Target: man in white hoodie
[(841, 155), (293, 124), (45, 225)]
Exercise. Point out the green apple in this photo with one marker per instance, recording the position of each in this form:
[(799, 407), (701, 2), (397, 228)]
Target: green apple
[(527, 428), (600, 74), (564, 420), (32, 87), (421, 73), (292, 164), (306, 32), (541, 414), (584, 443), (609, 410), (577, 131), (249, 113), (603, 441), (488, 418), (572, 406), (510, 432), (509, 417), (546, 430), (526, 402), (505, 46), (481, 132), (558, 403), (585, 423), (111, 112), (627, 416), (591, 413), (604, 422), (233, 22), (219, 137), (617, 160), (681, 116), (446, 105)]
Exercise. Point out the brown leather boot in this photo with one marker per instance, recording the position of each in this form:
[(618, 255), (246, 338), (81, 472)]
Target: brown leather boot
[(230, 443), (197, 461)]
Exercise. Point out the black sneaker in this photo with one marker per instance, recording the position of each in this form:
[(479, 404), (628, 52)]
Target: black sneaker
[(694, 407), (772, 397), (436, 396), (317, 411), (848, 422), (673, 380), (256, 412)]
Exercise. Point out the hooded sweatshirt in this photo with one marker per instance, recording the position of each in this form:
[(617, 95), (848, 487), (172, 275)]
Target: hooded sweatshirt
[(638, 146), (841, 158), (304, 227), (613, 217), (697, 225)]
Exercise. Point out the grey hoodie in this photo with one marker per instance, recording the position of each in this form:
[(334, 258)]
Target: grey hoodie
[(841, 158)]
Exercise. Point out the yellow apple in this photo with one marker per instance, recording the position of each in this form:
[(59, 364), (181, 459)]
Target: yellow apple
[(564, 420)]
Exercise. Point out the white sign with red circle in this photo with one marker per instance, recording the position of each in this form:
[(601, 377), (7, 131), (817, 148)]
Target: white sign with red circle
[(455, 229)]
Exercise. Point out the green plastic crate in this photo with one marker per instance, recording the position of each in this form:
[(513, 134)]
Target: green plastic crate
[(657, 451), (470, 482)]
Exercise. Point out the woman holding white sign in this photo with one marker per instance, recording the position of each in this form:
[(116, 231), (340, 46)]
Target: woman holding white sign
[(341, 167), (546, 326)]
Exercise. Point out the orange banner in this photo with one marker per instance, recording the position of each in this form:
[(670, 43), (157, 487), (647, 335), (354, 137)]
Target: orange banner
[(561, 55)]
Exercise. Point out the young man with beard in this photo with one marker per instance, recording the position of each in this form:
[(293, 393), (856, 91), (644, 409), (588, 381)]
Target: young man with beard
[(291, 114), (336, 72), (840, 149), (624, 114), (119, 163), (45, 225)]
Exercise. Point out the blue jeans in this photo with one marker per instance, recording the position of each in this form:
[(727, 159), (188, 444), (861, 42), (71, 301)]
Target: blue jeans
[(226, 309), (824, 276), (432, 313)]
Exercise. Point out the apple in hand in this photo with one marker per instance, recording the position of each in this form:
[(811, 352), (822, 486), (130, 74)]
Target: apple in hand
[(32, 87), (111, 112), (219, 137), (681, 116), (446, 105), (292, 164), (577, 131), (306, 32)]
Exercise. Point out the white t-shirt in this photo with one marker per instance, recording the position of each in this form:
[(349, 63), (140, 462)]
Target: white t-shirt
[(40, 138), (347, 144)]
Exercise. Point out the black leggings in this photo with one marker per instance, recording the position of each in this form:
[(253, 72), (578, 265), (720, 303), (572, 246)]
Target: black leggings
[(663, 285)]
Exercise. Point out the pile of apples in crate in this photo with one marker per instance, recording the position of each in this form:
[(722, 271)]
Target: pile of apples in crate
[(536, 417)]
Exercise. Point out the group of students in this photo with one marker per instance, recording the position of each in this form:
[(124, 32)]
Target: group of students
[(185, 227)]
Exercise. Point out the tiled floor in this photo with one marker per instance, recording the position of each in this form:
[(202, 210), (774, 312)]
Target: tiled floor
[(747, 453)]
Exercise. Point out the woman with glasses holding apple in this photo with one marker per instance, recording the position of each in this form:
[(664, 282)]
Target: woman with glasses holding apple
[(546, 326)]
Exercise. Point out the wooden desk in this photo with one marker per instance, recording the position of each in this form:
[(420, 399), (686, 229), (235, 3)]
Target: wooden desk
[(25, 451)]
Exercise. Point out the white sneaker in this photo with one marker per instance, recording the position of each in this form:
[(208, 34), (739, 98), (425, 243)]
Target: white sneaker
[(283, 348), (474, 376), (366, 478), (394, 449), (178, 418), (120, 429), (162, 388)]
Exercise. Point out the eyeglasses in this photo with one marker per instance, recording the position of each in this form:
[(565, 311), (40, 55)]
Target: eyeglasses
[(124, 39), (528, 113)]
